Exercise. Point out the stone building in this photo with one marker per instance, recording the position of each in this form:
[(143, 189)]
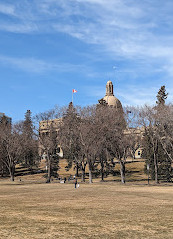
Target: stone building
[(45, 127), (108, 100), (109, 97), (5, 118)]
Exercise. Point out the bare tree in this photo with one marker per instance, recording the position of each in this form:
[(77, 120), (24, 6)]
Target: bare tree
[(117, 141), (157, 140), (11, 146), (103, 138), (133, 129), (150, 140), (88, 137), (48, 142)]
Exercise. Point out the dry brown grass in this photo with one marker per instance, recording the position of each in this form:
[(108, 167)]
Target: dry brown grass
[(100, 210), (134, 172)]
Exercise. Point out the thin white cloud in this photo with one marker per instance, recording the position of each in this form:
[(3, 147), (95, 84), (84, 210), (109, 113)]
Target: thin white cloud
[(136, 30), (120, 28), (26, 64), (39, 66), (19, 28), (7, 9), (133, 95)]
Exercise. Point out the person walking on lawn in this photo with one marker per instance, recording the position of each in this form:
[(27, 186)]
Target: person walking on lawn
[(75, 183)]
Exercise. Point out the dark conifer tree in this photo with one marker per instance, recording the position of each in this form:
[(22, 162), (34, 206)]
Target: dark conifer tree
[(161, 96), (28, 125), (69, 137), (30, 144)]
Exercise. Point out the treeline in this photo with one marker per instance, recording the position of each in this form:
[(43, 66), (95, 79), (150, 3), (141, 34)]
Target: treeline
[(18, 145), (92, 136)]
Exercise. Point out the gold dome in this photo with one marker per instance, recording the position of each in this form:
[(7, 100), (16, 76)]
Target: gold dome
[(112, 101)]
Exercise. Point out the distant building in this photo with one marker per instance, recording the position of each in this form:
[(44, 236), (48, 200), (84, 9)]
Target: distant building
[(44, 129), (108, 100), (6, 119)]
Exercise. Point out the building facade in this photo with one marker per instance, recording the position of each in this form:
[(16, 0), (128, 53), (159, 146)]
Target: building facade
[(108, 100), (5, 119), (109, 97)]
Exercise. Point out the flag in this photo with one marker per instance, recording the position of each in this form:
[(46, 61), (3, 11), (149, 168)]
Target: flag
[(74, 91)]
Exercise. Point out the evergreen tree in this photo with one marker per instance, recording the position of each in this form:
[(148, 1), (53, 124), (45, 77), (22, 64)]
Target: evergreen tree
[(28, 125), (156, 140), (164, 162), (148, 153), (30, 144), (69, 137), (161, 96)]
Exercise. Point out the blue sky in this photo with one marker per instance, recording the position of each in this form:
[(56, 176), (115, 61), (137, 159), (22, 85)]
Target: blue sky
[(49, 47)]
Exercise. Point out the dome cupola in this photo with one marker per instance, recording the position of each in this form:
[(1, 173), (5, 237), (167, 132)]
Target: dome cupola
[(109, 89), (109, 98)]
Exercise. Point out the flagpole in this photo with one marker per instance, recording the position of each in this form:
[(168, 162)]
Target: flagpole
[(72, 96), (73, 91)]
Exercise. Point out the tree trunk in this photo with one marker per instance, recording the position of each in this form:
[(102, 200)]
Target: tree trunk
[(83, 173), (156, 168), (12, 177), (2, 170), (90, 174), (12, 170), (77, 169), (122, 171), (48, 170), (134, 155), (102, 170)]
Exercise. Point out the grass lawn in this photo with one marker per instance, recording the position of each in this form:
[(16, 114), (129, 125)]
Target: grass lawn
[(100, 210)]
